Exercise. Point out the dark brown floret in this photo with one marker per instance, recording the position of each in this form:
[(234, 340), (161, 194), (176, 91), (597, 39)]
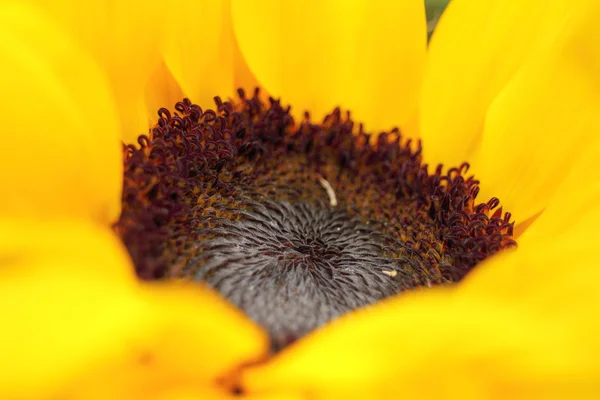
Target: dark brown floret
[(297, 223)]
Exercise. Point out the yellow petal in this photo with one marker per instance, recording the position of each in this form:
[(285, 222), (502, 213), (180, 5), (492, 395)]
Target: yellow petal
[(476, 49), (198, 49), (535, 338), (81, 326), (162, 90), (123, 36), (575, 202), (570, 223), (242, 75), (362, 55), (209, 394), (60, 140), (544, 120)]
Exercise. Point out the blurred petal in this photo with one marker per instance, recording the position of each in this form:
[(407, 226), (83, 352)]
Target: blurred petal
[(567, 232), (365, 56), (61, 153), (475, 51), (575, 200), (242, 76), (162, 90), (124, 38), (208, 394), (545, 120), (198, 49), (82, 327), (535, 337)]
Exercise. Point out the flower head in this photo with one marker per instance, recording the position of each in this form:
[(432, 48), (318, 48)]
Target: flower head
[(297, 224)]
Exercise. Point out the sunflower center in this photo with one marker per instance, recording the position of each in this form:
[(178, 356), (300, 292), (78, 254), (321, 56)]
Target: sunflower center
[(292, 268), (297, 223)]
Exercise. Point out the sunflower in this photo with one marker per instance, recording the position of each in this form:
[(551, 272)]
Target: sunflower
[(97, 221)]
